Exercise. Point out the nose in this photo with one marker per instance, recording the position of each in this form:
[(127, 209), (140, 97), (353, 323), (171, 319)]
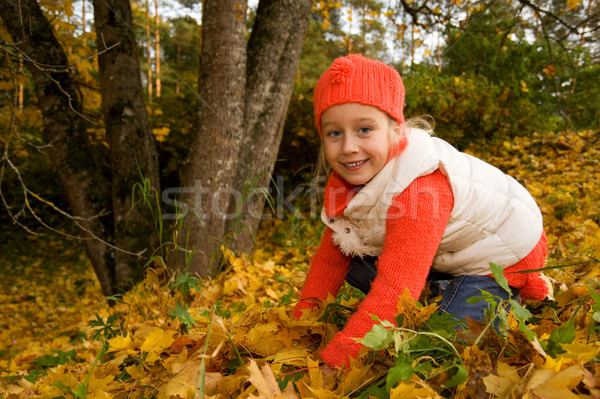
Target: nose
[(349, 144)]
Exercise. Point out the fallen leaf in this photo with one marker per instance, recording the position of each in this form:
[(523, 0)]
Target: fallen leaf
[(478, 365), (414, 388), (266, 385), (187, 378), (507, 384), (550, 385), (156, 342)]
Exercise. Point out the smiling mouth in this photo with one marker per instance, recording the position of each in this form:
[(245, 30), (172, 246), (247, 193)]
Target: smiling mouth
[(354, 164)]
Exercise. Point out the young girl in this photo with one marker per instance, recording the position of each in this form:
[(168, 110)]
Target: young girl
[(400, 204)]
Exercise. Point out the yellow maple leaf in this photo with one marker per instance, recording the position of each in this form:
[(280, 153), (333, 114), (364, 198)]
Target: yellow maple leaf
[(156, 342), (323, 393), (260, 339), (551, 385), (414, 316), (414, 388), (49, 390), (288, 336), (315, 377), (121, 344), (98, 387), (292, 357), (187, 378), (506, 384)]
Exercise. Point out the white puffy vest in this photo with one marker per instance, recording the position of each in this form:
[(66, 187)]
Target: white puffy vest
[(494, 218)]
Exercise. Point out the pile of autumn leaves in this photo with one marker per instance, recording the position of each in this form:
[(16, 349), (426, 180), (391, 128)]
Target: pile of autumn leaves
[(180, 337)]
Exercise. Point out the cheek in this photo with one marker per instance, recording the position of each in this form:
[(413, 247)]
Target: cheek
[(330, 152)]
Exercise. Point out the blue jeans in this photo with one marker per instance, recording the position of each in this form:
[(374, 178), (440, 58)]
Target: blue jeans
[(463, 287), (455, 291)]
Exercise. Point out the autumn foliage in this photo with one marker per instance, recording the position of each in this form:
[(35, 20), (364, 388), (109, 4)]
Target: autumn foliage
[(176, 336)]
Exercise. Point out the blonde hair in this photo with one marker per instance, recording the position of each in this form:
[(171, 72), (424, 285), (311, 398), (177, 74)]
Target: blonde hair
[(423, 122)]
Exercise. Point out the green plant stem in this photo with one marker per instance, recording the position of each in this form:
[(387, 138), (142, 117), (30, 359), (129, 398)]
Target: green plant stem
[(201, 378), (237, 352), (429, 334)]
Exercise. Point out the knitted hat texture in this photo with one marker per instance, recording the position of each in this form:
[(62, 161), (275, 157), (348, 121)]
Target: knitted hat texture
[(357, 79)]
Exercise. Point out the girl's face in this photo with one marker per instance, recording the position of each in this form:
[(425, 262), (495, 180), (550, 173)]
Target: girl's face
[(357, 141)]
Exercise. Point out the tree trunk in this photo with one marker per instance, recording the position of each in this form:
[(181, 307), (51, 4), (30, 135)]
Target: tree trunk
[(271, 68), (157, 44), (177, 56), (83, 21), (132, 150), (244, 90), (148, 55), (212, 160), (21, 85), (77, 162)]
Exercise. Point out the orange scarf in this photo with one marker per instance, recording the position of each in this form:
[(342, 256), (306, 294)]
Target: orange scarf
[(339, 192)]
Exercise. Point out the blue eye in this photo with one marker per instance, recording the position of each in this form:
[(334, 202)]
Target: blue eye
[(364, 130), (334, 133)]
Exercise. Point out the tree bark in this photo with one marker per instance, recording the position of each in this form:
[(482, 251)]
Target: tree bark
[(132, 150), (148, 55), (244, 90), (83, 21), (274, 51), (157, 44), (212, 160), (78, 163), (21, 85)]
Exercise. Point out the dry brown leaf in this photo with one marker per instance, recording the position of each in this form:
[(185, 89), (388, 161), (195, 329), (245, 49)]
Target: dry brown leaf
[(414, 316), (187, 377), (478, 365), (507, 384), (266, 385)]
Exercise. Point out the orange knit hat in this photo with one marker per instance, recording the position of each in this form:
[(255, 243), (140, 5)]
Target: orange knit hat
[(356, 79)]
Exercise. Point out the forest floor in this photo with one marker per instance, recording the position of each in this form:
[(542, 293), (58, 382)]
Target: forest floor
[(178, 336)]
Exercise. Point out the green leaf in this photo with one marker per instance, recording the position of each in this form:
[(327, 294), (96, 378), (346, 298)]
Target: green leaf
[(81, 391), (498, 273), (458, 378), (525, 330), (374, 392), (400, 372), (387, 324), (596, 298), (485, 296), (564, 334), (519, 311), (378, 338), (400, 319), (181, 312)]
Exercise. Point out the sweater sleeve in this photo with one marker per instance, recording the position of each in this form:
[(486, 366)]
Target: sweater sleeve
[(326, 275), (414, 228)]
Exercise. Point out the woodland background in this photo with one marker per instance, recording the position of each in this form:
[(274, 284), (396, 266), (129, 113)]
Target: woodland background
[(516, 83)]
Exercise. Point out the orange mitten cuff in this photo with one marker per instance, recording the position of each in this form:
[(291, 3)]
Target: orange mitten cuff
[(339, 351), (307, 303), (530, 285)]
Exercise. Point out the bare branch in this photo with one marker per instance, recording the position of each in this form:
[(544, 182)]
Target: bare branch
[(56, 68), (540, 11), (46, 69), (26, 192)]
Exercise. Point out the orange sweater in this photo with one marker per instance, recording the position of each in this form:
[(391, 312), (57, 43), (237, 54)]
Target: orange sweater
[(409, 248)]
